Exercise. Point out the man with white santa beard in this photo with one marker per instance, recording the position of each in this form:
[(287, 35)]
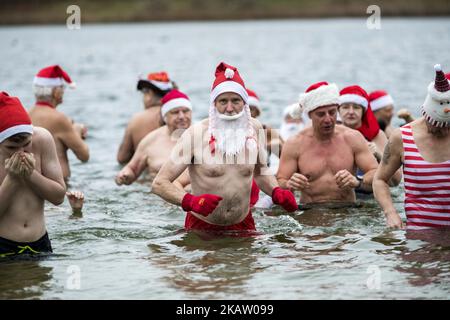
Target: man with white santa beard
[(223, 154)]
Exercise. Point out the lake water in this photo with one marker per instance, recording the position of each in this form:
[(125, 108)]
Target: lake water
[(130, 245)]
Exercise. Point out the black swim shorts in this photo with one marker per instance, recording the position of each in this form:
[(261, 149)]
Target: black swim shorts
[(13, 248)]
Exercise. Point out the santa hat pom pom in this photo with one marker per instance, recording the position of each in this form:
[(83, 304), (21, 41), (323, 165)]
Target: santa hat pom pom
[(437, 67), (72, 85), (296, 111), (229, 73)]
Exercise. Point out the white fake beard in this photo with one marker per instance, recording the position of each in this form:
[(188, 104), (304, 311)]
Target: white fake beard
[(289, 129), (230, 135)]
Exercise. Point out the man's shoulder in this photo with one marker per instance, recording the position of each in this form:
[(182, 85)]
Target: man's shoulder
[(202, 124), (396, 137), (348, 133), (298, 139), (196, 130), (41, 134), (143, 115), (256, 124), (154, 134), (50, 114)]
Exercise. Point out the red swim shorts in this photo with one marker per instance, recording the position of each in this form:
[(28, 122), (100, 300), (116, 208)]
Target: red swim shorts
[(193, 222)]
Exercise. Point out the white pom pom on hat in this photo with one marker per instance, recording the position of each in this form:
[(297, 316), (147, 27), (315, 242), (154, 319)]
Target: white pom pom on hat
[(229, 73)]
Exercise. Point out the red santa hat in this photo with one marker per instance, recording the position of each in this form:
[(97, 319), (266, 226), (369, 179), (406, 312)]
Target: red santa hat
[(228, 80), (436, 107), (253, 99), (53, 76), (158, 81), (14, 118), (380, 99), (317, 95), (369, 124), (354, 94), (174, 99)]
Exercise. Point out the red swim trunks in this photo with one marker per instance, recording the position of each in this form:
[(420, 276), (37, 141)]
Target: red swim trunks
[(192, 222), (254, 193)]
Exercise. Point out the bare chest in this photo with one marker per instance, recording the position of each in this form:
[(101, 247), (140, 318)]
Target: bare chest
[(224, 170), (317, 160)]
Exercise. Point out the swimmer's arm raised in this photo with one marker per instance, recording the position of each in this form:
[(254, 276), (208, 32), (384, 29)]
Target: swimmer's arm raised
[(391, 162)]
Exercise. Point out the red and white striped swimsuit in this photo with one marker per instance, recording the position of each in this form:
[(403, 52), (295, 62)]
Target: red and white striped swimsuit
[(427, 187)]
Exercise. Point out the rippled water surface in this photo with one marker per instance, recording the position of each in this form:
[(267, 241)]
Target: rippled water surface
[(130, 245)]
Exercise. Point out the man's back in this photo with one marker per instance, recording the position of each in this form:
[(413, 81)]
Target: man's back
[(145, 122), (63, 133), (139, 126)]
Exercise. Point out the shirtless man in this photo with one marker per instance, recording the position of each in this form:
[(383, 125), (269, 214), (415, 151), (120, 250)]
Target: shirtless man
[(48, 87), (423, 149), (29, 174), (154, 150), (221, 153), (153, 88), (356, 113), (321, 160)]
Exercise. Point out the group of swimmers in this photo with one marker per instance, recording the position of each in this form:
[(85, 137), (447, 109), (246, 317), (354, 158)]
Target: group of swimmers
[(331, 143)]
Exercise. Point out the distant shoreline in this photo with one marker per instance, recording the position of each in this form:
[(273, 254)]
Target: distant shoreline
[(93, 23), (25, 12)]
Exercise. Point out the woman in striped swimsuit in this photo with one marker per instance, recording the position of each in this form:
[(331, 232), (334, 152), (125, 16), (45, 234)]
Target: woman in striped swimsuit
[(423, 148)]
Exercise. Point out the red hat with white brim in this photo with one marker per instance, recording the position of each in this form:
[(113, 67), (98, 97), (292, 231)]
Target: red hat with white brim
[(14, 119), (53, 76), (174, 99), (380, 99)]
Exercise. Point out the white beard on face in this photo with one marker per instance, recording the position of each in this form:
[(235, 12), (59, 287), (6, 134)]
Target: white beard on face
[(290, 129), (230, 135)]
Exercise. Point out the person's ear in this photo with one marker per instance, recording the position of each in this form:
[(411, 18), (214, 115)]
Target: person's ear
[(54, 89)]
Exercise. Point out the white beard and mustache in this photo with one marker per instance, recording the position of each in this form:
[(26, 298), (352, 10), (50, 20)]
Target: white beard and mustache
[(230, 132), (288, 130)]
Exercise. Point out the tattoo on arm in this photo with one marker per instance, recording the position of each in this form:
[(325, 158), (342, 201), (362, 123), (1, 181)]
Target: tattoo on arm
[(387, 153)]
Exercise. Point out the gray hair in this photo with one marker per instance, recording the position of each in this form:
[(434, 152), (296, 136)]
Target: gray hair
[(42, 93)]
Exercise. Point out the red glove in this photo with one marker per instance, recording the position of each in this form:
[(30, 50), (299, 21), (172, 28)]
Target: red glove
[(284, 198), (203, 204)]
